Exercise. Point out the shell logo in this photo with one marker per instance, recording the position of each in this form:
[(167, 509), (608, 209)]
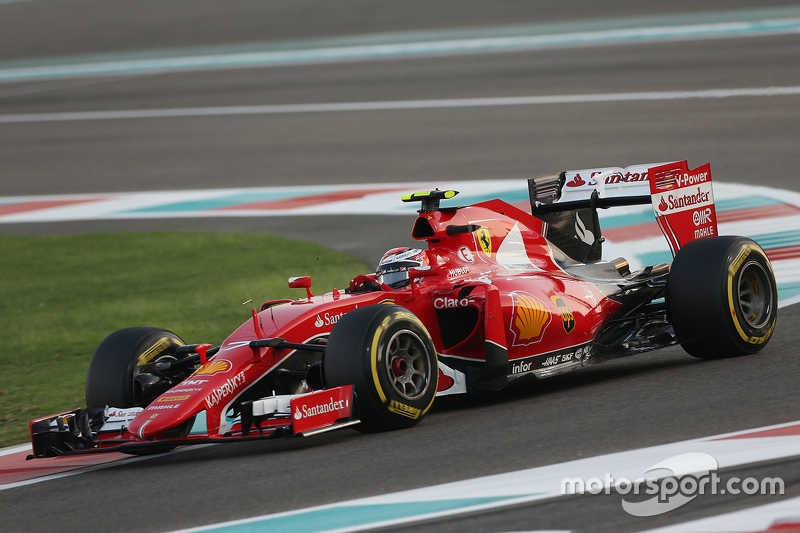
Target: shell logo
[(214, 367), (529, 319)]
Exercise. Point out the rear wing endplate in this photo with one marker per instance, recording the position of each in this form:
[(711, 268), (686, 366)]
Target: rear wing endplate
[(568, 202)]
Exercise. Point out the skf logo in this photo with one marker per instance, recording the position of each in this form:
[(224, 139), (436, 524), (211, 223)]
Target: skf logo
[(214, 367), (174, 398), (567, 318), (485, 241), (405, 410), (529, 319)]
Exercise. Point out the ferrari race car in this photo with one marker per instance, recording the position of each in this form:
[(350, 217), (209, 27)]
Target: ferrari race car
[(498, 293)]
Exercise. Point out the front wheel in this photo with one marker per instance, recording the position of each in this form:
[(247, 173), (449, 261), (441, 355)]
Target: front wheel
[(386, 353), (118, 374), (722, 299)]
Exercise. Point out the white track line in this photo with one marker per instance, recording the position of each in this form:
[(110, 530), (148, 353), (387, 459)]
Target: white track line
[(399, 105), (524, 486), (15, 449), (747, 520), (83, 470)]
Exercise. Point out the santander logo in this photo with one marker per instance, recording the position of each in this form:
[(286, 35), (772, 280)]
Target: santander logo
[(663, 205), (331, 406), (577, 181)]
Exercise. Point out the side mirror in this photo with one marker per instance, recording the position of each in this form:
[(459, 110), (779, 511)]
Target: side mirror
[(301, 282)]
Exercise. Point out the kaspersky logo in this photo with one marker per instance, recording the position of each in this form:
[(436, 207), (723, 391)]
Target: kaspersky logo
[(529, 318)]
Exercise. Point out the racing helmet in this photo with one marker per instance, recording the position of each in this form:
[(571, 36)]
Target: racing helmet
[(393, 267)]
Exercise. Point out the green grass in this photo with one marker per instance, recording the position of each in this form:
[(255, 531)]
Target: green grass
[(61, 295)]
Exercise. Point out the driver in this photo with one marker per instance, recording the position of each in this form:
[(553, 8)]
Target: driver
[(392, 271), (393, 267)]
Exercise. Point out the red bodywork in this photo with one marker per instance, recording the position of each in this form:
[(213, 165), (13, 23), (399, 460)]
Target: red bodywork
[(540, 314), (495, 299)]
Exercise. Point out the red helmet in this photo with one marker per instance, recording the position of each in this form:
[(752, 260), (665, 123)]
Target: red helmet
[(394, 265)]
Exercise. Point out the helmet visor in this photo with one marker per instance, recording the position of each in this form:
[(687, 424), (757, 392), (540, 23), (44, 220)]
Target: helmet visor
[(393, 279)]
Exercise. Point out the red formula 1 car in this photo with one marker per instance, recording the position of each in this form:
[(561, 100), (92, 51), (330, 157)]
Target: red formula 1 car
[(498, 293)]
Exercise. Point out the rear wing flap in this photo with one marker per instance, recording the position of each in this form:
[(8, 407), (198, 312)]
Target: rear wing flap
[(568, 202)]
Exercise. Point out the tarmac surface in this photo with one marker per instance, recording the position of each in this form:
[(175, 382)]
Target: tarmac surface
[(661, 397)]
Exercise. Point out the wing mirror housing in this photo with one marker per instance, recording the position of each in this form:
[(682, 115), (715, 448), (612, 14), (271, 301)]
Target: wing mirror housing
[(301, 282)]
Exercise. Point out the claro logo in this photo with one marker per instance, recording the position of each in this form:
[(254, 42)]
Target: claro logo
[(305, 411), (451, 303)]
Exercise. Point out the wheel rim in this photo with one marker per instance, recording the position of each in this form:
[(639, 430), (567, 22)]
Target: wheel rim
[(139, 399), (755, 294), (407, 365)]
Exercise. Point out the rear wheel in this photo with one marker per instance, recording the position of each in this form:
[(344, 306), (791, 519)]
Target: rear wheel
[(386, 353), (722, 299)]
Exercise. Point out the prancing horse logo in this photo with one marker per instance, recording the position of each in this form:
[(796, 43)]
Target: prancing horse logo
[(485, 240)]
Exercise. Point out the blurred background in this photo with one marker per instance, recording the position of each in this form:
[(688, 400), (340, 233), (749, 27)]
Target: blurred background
[(59, 56)]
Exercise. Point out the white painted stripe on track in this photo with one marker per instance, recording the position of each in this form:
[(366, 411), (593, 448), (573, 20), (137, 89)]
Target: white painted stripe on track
[(790, 301), (75, 472), (747, 520), (653, 29), (87, 469), (400, 105), (20, 448), (741, 227), (534, 484), (373, 199)]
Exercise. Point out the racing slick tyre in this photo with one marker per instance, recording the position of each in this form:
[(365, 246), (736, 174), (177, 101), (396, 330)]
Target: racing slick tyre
[(119, 360), (722, 299), (386, 353), (116, 374)]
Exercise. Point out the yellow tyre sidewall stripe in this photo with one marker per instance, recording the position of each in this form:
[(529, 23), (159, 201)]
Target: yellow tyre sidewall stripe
[(743, 254), (383, 326)]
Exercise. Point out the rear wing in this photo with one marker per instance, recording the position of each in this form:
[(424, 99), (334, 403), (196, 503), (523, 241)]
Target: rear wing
[(568, 202)]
